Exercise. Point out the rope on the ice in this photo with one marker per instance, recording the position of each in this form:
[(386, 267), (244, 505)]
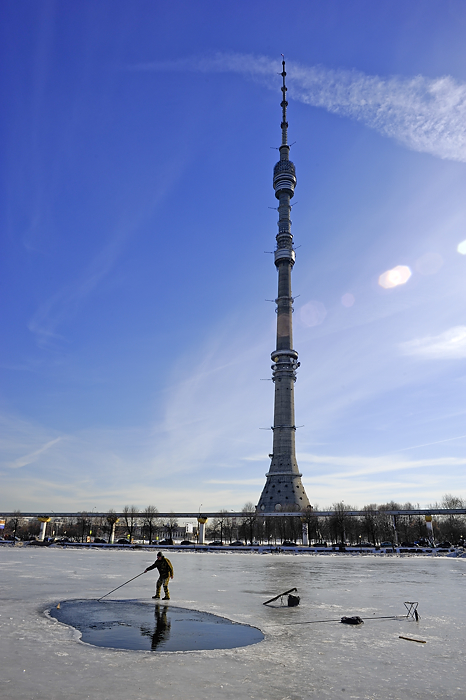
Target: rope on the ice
[(411, 607)]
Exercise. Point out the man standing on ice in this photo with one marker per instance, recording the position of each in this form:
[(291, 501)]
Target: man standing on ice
[(165, 569)]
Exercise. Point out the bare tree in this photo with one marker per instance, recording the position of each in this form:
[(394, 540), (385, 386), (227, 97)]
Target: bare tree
[(248, 522), (293, 526), (228, 528), (150, 521), (405, 524), (369, 522), (130, 515), (219, 526), (339, 522), (389, 523), (99, 526), (15, 523), (84, 524), (452, 527), (268, 529), (171, 525), (312, 522)]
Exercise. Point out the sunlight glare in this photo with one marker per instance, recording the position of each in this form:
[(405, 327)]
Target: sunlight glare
[(462, 248), (392, 278)]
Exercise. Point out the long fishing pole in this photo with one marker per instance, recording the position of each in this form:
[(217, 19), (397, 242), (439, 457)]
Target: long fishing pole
[(123, 584)]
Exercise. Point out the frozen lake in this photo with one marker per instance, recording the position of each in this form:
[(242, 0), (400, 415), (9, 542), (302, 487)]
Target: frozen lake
[(45, 660)]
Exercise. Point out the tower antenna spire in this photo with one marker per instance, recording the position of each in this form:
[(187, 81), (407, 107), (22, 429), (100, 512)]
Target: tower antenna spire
[(284, 105)]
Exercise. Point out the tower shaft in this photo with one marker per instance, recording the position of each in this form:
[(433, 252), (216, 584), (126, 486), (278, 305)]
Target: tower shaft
[(283, 489)]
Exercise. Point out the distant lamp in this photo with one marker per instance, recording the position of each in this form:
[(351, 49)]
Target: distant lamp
[(43, 519)]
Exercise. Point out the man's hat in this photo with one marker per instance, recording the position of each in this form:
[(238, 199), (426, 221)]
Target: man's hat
[(159, 554)]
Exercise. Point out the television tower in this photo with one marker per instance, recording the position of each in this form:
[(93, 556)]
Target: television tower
[(283, 490)]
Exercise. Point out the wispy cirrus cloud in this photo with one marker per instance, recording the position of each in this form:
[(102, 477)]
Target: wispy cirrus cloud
[(358, 465), (65, 302), (360, 479), (32, 456), (424, 114), (451, 344)]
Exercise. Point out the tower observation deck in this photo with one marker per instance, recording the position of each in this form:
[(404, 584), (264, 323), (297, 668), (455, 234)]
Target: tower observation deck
[(283, 489)]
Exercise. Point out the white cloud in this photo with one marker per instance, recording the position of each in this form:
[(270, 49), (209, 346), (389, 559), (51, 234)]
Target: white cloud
[(450, 344), (356, 465), (424, 114), (359, 480), (259, 483)]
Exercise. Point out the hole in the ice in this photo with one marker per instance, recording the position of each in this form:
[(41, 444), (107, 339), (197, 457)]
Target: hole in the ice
[(129, 624)]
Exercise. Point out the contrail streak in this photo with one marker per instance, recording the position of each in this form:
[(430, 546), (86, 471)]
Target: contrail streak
[(427, 444), (424, 114)]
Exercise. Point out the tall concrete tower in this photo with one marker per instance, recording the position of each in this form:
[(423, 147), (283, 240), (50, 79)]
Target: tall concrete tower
[(283, 489)]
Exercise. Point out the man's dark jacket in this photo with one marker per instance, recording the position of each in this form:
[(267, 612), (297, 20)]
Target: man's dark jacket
[(164, 567)]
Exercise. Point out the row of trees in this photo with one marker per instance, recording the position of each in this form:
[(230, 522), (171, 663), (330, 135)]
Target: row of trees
[(374, 526), (135, 524)]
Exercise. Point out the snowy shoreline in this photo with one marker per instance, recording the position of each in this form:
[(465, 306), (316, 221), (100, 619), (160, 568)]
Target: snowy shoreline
[(259, 549)]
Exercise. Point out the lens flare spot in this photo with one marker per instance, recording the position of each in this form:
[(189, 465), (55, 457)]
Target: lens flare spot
[(347, 300), (462, 248), (393, 278), (313, 313)]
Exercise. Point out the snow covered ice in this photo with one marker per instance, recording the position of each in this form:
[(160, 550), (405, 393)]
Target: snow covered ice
[(45, 660)]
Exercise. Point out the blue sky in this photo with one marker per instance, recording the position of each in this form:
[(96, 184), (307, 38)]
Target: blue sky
[(137, 147)]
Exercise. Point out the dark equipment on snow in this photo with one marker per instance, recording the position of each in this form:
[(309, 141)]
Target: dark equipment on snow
[(355, 620), (123, 584), (293, 600), (411, 607)]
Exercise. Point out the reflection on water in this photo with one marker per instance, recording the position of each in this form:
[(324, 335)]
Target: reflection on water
[(161, 632), (130, 624)]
